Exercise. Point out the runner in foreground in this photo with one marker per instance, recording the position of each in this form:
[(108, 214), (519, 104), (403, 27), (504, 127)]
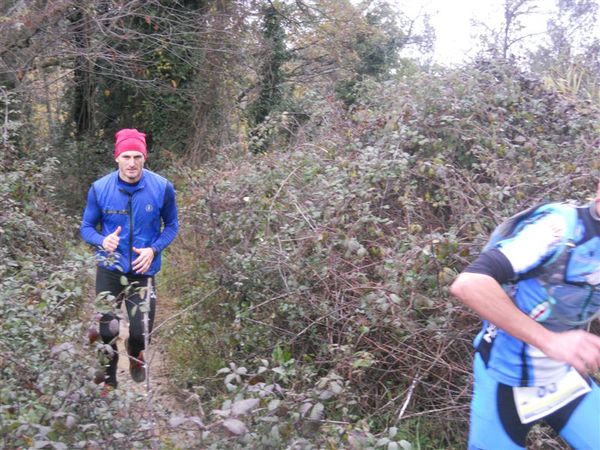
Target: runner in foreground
[(537, 290)]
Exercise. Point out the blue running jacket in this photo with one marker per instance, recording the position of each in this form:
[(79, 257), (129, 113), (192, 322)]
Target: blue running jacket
[(141, 210)]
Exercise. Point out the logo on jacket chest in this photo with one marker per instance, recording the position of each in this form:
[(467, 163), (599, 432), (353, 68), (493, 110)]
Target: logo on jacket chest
[(149, 208)]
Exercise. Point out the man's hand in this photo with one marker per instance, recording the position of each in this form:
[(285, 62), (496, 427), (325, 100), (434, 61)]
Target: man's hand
[(141, 264), (111, 242), (577, 348)]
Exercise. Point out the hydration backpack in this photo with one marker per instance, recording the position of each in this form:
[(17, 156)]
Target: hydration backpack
[(554, 266)]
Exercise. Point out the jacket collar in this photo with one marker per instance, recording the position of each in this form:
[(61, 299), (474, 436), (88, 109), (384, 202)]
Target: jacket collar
[(128, 187)]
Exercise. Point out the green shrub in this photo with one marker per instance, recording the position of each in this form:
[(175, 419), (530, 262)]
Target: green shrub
[(46, 368)]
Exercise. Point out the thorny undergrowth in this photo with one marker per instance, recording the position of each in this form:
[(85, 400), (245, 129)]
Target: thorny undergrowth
[(333, 257)]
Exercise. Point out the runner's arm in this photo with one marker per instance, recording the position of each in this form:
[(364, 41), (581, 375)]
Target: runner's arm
[(91, 217), (479, 287), (170, 220)]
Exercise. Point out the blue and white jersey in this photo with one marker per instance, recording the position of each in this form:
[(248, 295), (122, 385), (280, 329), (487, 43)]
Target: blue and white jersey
[(561, 295)]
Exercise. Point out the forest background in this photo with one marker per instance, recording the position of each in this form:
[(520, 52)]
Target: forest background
[(330, 188)]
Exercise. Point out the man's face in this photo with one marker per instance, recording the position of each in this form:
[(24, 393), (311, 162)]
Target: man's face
[(130, 164)]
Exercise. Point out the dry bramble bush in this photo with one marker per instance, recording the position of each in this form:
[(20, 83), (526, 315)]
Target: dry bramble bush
[(333, 255)]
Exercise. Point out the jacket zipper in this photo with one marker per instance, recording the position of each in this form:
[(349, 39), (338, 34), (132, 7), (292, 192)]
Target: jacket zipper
[(129, 208)]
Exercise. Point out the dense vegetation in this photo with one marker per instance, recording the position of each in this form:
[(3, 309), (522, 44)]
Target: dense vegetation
[(329, 191)]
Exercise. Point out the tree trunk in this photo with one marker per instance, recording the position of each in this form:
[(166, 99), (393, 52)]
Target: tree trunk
[(83, 74)]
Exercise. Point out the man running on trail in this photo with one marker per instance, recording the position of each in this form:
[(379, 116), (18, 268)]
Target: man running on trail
[(137, 214), (537, 291)]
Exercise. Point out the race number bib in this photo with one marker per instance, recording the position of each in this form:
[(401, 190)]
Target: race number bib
[(534, 403)]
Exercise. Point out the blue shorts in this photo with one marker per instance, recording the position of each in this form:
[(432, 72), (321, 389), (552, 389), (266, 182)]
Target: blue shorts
[(496, 425)]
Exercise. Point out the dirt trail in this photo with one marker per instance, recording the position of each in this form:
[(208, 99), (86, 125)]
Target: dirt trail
[(166, 401), (154, 356)]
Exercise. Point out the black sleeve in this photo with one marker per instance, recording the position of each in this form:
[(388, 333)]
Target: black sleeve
[(493, 263)]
